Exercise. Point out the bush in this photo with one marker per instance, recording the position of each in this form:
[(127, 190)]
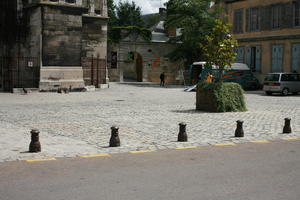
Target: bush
[(223, 97)]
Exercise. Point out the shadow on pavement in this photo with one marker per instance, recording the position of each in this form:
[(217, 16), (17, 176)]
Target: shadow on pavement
[(150, 84)]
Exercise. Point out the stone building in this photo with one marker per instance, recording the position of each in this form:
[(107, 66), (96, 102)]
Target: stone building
[(137, 59), (58, 43), (268, 34)]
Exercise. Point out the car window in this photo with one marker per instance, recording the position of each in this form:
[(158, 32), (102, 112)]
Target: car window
[(289, 77), (272, 77), (284, 77)]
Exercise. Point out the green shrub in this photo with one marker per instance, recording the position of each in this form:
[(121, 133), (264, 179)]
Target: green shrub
[(226, 97)]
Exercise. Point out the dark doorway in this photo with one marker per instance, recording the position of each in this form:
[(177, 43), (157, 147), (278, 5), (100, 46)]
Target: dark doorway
[(139, 67)]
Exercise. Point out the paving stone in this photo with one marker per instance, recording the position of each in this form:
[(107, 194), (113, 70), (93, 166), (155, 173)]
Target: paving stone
[(77, 124)]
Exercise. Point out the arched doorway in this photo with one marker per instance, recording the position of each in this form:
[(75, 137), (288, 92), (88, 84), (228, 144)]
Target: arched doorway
[(139, 67)]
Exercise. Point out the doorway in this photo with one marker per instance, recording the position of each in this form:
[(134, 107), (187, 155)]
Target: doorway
[(139, 67)]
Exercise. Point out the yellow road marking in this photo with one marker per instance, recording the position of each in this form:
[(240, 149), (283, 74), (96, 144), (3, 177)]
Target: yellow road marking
[(260, 141), (40, 160), (95, 155), (291, 139), (142, 151), (188, 147), (226, 144)]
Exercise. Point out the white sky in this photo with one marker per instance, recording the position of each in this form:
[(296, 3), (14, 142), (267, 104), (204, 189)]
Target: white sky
[(148, 6)]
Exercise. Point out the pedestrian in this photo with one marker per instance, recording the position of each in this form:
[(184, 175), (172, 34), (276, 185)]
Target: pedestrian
[(162, 79), (209, 78)]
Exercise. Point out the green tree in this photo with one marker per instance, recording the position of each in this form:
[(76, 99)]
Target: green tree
[(125, 20), (112, 21), (129, 14), (195, 18), (218, 47)]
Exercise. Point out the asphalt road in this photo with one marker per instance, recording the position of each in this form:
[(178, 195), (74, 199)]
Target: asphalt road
[(243, 172)]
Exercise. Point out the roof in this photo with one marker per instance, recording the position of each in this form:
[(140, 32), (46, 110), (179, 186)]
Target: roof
[(159, 33)]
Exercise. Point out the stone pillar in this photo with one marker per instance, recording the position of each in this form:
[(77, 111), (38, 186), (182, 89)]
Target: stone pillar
[(79, 2), (92, 7), (104, 8)]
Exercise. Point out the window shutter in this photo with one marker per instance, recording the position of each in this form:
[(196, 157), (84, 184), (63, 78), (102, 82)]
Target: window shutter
[(287, 20), (247, 20), (258, 59), (248, 56), (266, 18)]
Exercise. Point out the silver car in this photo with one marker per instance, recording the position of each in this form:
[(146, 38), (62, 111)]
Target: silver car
[(283, 83)]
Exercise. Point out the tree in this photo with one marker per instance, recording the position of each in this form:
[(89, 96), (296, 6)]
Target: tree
[(129, 14), (125, 20), (195, 18), (218, 47), (112, 21)]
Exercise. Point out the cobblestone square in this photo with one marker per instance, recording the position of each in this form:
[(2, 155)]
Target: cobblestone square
[(147, 115)]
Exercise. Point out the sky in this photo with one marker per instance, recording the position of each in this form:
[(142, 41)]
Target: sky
[(148, 6)]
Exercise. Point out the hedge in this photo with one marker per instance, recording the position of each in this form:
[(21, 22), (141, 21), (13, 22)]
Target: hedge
[(226, 96)]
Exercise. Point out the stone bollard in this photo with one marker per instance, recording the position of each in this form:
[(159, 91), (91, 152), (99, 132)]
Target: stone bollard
[(35, 145), (287, 125), (239, 132), (114, 139), (182, 136)]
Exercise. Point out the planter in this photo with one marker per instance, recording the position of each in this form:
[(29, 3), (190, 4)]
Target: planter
[(220, 97)]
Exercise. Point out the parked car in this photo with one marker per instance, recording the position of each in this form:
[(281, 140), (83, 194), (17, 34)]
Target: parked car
[(283, 83), (238, 73)]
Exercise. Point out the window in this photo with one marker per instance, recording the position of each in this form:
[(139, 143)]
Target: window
[(238, 21), (276, 16), (239, 55), (254, 19), (289, 77), (114, 60), (295, 58), (296, 11), (272, 77), (253, 58), (277, 58)]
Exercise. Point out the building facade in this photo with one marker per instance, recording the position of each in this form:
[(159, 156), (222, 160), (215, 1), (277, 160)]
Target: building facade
[(134, 58), (61, 39), (268, 34)]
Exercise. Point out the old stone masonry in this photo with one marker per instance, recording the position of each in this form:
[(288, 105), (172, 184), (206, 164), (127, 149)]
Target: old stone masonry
[(78, 124)]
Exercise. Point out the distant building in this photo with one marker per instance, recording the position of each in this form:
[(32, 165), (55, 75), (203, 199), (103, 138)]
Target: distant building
[(49, 44), (268, 34), (134, 58)]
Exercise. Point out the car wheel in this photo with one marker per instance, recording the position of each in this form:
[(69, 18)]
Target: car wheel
[(285, 92), (268, 93)]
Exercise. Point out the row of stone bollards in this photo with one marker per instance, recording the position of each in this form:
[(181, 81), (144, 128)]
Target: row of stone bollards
[(114, 141), (239, 131)]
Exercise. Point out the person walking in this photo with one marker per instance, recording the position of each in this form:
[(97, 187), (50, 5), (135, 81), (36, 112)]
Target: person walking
[(162, 79)]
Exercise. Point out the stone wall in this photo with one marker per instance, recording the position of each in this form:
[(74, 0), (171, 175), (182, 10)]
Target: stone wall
[(61, 37), (155, 61)]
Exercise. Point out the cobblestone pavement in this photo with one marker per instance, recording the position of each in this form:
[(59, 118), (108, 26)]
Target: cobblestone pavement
[(148, 116)]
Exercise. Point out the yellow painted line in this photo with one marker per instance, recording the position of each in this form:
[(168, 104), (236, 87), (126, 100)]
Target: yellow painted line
[(188, 147), (260, 141), (226, 144), (40, 160), (142, 151), (95, 155), (291, 139)]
